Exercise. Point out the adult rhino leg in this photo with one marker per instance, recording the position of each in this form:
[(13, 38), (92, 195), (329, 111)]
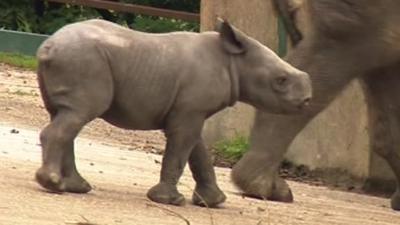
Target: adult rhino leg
[(257, 171), (207, 193), (384, 114)]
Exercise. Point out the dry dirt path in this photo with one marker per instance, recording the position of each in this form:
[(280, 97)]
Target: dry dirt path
[(121, 178)]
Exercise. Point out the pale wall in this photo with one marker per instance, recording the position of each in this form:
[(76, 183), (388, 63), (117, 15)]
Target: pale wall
[(251, 17)]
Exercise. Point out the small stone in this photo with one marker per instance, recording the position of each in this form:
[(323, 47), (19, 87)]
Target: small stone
[(14, 131), (260, 209)]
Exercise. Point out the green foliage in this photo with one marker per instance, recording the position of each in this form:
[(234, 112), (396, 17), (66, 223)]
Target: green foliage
[(19, 60), (48, 17), (232, 149), (183, 5), (54, 19), (161, 25), (15, 15)]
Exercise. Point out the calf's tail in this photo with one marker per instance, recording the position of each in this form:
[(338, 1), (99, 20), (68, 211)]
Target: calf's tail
[(43, 55)]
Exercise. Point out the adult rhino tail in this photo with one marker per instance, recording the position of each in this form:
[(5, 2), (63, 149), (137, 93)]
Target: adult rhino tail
[(286, 10)]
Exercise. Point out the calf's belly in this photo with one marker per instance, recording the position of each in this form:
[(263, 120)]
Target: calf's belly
[(133, 119)]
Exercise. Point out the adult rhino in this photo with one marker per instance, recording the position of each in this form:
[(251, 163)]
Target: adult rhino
[(342, 40), (144, 81)]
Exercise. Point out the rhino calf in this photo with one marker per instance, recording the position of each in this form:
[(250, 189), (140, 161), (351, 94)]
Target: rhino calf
[(144, 81)]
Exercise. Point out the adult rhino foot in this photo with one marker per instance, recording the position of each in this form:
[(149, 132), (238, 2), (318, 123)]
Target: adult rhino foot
[(56, 182), (266, 186), (166, 194), (208, 196), (278, 191), (395, 201)]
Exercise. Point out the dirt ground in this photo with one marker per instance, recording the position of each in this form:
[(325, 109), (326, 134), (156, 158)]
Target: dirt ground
[(121, 165)]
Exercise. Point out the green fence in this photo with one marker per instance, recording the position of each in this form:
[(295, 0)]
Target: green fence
[(21, 42)]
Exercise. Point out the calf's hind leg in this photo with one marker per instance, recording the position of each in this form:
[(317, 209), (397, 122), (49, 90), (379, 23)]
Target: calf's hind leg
[(384, 114), (73, 99), (58, 172), (74, 181)]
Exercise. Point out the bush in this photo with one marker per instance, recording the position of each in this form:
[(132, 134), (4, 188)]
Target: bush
[(42, 17), (231, 150)]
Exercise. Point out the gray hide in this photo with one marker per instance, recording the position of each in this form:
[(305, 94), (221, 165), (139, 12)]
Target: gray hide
[(143, 81), (343, 39)]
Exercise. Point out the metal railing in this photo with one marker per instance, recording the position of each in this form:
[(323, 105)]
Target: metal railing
[(133, 8)]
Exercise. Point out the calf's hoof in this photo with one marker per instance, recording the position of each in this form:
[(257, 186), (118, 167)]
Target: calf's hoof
[(50, 180), (395, 201), (57, 183), (208, 196), (76, 184), (166, 194)]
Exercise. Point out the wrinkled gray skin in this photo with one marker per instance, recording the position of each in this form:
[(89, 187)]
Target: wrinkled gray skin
[(144, 81), (343, 39)]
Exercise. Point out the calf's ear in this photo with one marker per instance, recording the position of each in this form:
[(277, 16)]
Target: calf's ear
[(233, 40)]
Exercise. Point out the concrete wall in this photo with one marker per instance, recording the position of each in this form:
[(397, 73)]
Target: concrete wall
[(257, 19), (335, 139)]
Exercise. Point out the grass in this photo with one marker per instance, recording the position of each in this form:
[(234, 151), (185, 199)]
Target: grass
[(23, 93), (19, 60), (232, 149)]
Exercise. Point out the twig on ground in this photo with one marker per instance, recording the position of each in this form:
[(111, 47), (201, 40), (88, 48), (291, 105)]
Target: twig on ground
[(80, 223), (202, 199), (87, 222), (169, 211)]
